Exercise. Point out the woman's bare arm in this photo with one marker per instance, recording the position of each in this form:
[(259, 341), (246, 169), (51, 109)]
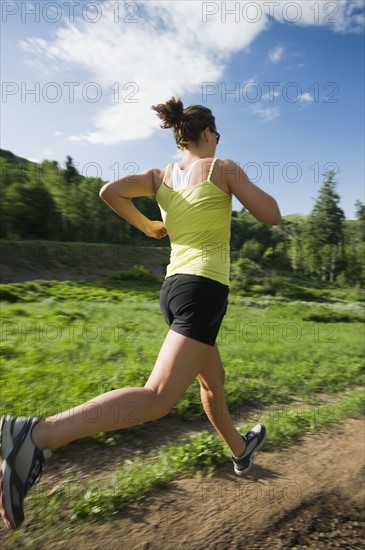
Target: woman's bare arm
[(260, 204), (118, 194)]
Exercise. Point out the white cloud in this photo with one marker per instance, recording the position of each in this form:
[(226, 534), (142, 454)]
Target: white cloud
[(307, 98), (172, 49), (160, 55), (253, 80), (276, 54), (353, 19), (340, 15), (266, 114), (270, 96), (56, 133)]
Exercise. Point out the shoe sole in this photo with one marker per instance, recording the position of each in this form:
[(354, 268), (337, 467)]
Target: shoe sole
[(243, 472), (6, 448)]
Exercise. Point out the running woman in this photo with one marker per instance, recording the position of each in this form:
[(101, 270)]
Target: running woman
[(194, 197)]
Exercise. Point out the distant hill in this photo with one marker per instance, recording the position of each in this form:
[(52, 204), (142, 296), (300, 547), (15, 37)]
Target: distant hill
[(296, 217), (14, 159)]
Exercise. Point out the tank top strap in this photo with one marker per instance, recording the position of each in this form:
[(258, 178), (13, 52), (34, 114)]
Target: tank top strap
[(164, 176), (211, 169)]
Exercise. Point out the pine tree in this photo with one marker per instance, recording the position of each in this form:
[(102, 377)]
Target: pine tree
[(355, 269), (70, 173), (360, 215), (326, 229)]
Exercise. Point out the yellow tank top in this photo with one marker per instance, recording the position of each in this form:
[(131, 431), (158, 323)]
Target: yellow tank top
[(198, 221)]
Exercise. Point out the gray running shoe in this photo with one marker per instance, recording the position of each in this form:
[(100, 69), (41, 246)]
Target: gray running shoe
[(21, 466), (254, 441)]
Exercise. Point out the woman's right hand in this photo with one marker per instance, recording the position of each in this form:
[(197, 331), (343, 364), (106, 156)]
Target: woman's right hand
[(156, 230)]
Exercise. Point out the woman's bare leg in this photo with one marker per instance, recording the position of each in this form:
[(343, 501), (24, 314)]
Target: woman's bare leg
[(211, 380), (178, 364)]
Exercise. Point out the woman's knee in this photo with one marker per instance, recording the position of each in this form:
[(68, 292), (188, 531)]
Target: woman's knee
[(160, 405)]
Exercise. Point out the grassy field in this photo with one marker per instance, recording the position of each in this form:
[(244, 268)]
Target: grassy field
[(74, 341), (65, 342)]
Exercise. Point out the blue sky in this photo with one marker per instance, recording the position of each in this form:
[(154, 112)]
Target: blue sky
[(295, 71)]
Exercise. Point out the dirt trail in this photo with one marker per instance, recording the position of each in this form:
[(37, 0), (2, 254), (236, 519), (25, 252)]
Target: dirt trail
[(308, 496)]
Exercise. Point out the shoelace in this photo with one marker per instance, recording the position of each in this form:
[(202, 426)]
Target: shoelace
[(249, 437)]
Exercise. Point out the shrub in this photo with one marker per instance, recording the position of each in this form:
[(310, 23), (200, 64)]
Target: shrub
[(251, 250), (333, 317), (7, 350), (135, 273), (277, 257), (8, 295), (245, 273)]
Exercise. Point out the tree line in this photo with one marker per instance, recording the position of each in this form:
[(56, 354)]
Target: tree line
[(44, 201)]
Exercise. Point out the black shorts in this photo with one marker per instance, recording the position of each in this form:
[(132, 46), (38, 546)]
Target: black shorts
[(194, 306)]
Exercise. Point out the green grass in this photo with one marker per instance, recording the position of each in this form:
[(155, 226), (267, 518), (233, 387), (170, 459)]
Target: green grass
[(62, 343), (287, 425), (295, 286), (132, 282), (80, 340)]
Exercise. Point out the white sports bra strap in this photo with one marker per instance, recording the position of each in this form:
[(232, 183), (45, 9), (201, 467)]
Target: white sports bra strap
[(180, 178)]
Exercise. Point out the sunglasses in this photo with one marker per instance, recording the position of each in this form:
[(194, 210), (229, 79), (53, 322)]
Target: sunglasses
[(217, 135)]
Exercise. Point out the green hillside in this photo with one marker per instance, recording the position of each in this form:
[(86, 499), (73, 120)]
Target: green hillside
[(14, 159), (53, 224)]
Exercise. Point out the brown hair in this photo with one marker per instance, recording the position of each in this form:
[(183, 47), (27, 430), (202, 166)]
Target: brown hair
[(187, 124)]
